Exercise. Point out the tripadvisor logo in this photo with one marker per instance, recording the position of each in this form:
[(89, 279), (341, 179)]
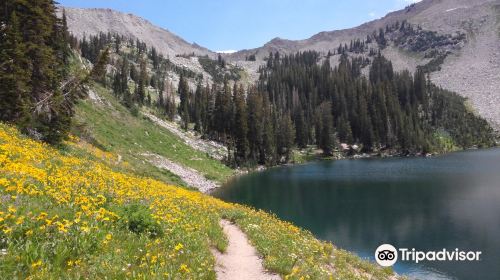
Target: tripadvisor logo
[(387, 255)]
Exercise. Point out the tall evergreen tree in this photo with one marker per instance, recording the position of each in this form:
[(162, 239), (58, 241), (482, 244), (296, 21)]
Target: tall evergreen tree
[(240, 129), (36, 52), (255, 112), (198, 108), (285, 137), (99, 70), (142, 83), (15, 101), (324, 128), (184, 93)]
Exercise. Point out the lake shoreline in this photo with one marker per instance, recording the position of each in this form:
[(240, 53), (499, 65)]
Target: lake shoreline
[(407, 201), (310, 158)]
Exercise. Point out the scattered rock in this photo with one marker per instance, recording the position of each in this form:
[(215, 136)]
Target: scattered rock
[(192, 177), (213, 149)]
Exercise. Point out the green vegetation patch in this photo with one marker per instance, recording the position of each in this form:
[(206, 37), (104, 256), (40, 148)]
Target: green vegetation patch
[(114, 128)]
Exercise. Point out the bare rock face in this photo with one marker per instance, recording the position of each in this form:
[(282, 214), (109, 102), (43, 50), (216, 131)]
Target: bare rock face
[(83, 22)]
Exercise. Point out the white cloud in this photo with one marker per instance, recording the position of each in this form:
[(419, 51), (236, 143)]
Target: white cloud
[(372, 14)]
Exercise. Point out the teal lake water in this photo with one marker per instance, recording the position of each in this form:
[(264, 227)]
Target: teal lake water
[(451, 201)]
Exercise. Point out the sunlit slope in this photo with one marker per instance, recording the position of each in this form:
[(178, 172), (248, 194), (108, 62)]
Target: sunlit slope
[(108, 124), (71, 214)]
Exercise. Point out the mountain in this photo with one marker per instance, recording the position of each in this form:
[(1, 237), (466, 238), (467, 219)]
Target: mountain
[(471, 66), (457, 41), (83, 22)]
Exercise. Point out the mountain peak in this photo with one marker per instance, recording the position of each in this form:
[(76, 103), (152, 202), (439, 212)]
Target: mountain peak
[(93, 21)]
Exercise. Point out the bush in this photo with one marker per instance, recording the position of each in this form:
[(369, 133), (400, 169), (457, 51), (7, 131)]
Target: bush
[(139, 220)]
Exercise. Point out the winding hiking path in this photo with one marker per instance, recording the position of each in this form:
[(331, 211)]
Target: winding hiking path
[(240, 261)]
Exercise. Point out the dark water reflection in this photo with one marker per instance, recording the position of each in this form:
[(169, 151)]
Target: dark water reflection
[(451, 201)]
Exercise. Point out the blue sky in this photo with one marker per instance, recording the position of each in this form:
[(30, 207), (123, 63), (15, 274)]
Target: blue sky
[(235, 25)]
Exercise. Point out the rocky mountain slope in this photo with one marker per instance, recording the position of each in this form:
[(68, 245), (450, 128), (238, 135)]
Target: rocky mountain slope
[(85, 22), (461, 45), (471, 67)]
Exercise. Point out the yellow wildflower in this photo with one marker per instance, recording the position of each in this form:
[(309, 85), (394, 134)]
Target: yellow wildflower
[(184, 268), (20, 220), (36, 264), (179, 247)]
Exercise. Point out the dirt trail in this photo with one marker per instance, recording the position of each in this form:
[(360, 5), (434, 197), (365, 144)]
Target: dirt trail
[(240, 260)]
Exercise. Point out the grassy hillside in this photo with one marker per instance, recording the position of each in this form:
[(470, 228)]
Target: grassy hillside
[(112, 127), (72, 214)]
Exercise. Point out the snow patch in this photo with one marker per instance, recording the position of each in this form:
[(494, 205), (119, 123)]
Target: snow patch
[(449, 10), (227, 51)]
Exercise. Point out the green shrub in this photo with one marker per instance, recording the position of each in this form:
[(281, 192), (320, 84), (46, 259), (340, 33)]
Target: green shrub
[(138, 219)]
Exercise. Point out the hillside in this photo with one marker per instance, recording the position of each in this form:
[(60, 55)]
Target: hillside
[(143, 142), (290, 106), (112, 135), (470, 68), (90, 22), (73, 213), (86, 22)]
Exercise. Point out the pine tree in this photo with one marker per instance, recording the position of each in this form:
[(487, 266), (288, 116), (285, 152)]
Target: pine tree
[(255, 124), (134, 75), (301, 129), (141, 84), (223, 115), (99, 70), (15, 102), (40, 56), (170, 106), (198, 108), (240, 129), (184, 93), (286, 137), (161, 94), (325, 130), (268, 150)]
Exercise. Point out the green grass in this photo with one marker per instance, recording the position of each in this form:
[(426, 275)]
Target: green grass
[(308, 154), (66, 216), (114, 129), (444, 142), (295, 252)]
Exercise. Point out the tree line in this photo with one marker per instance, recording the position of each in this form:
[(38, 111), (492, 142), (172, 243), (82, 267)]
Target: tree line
[(299, 102)]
